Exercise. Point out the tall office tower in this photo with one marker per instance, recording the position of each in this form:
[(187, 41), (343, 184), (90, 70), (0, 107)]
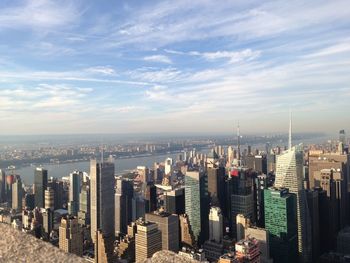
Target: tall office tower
[(290, 174), (240, 195), (124, 193), (331, 172), (150, 197), (104, 248), (342, 137), (2, 186), (102, 198), (313, 205), (71, 236), (168, 166), (84, 205), (197, 204), (168, 225), (57, 187), (230, 156), (271, 162), (148, 240), (49, 198), (40, 185), (17, 193), (213, 248), (75, 181), (138, 207), (215, 224), (280, 221), (261, 182), (174, 201), (256, 162), (10, 179), (29, 201), (186, 236), (216, 182), (48, 223)]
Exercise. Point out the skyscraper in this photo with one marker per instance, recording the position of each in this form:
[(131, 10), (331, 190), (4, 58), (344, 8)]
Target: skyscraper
[(123, 204), (49, 198), (40, 185), (148, 240), (289, 174), (17, 193), (84, 205), (215, 224), (2, 186), (75, 181), (240, 195), (71, 236), (102, 198), (150, 197), (280, 221), (174, 201), (197, 204), (168, 225)]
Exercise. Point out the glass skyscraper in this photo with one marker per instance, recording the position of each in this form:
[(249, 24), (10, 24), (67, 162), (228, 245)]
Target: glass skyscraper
[(290, 175), (197, 204), (280, 221)]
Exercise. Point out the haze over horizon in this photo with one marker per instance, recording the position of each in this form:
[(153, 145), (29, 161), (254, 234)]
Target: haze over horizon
[(73, 67)]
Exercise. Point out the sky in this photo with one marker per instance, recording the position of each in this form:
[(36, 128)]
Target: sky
[(182, 66)]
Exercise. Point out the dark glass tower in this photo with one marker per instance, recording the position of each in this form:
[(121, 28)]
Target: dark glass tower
[(40, 185)]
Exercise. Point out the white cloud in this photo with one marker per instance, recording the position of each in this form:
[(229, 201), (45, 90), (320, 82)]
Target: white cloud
[(104, 70), (38, 14), (158, 58)]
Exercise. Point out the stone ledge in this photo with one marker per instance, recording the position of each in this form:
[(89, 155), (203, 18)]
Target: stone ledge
[(16, 246), (166, 256)]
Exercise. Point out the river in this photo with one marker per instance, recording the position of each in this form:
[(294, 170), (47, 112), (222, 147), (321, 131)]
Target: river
[(121, 165)]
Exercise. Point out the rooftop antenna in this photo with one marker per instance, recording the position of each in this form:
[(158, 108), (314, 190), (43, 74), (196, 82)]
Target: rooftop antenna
[(290, 131)]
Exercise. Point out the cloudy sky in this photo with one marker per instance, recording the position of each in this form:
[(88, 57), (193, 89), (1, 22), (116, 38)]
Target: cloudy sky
[(173, 66)]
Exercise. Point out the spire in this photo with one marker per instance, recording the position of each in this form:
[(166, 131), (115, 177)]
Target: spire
[(290, 130)]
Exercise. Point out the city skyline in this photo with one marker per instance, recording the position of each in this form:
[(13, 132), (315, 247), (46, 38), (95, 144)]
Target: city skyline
[(79, 67)]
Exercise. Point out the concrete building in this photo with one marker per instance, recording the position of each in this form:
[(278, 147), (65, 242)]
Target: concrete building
[(148, 240), (71, 236), (84, 205), (104, 248), (17, 193), (247, 250), (50, 198), (123, 204), (168, 224), (215, 224), (186, 236)]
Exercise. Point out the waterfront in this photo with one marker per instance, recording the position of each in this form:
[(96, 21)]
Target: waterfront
[(121, 165)]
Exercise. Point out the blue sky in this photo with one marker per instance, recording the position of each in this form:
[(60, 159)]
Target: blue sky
[(173, 66)]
